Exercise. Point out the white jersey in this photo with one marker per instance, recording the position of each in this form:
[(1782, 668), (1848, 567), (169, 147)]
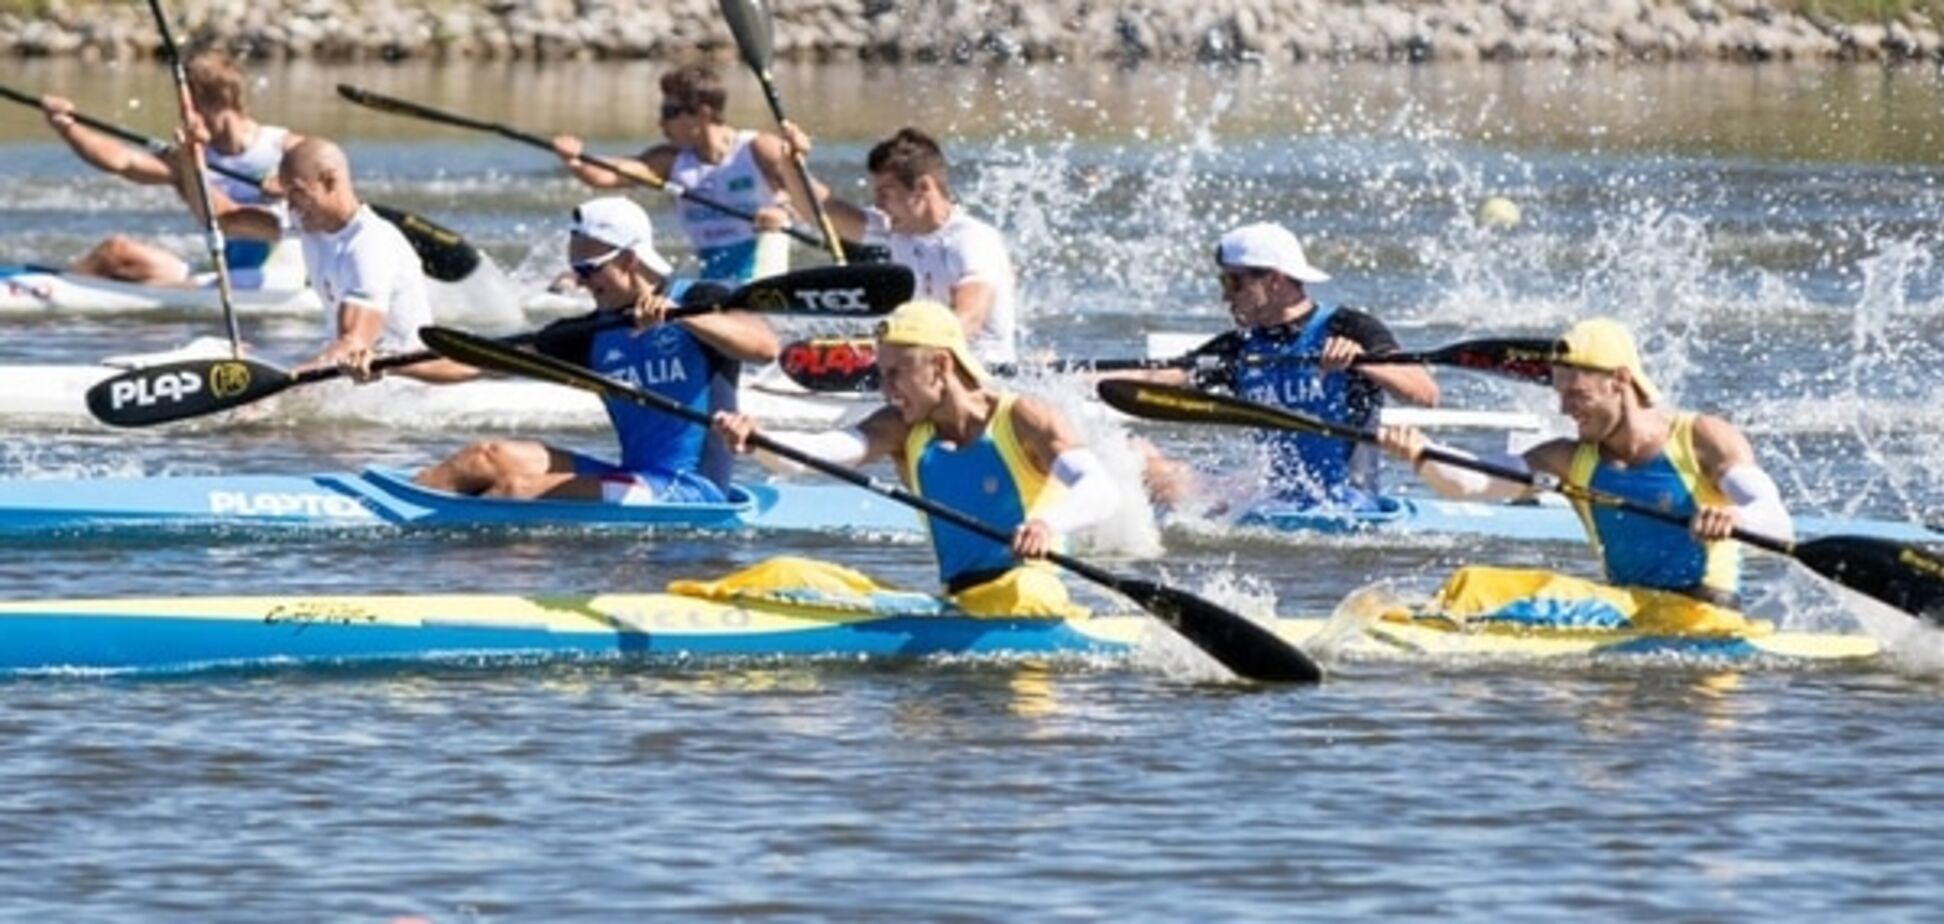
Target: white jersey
[(257, 264), (725, 244), (259, 159), (963, 249), (369, 263)]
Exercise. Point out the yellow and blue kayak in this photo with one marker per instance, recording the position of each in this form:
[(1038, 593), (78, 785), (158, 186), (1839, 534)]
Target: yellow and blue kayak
[(185, 634)]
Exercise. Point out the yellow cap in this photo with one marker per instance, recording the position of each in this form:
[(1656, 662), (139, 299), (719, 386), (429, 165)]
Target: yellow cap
[(925, 323), (1604, 345)]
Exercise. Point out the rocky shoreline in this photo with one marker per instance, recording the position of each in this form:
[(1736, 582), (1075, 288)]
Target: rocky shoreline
[(965, 31)]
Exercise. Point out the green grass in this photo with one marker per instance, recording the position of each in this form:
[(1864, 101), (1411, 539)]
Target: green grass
[(33, 9)]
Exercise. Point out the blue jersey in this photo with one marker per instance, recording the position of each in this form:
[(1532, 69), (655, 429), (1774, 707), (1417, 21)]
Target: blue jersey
[(990, 477), (667, 361), (1640, 552), (1265, 366)]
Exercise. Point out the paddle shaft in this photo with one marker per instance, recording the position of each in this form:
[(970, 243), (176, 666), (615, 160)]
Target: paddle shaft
[(1511, 357), (212, 230), (397, 106), (423, 233)]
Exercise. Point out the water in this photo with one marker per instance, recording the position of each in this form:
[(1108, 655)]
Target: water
[(1771, 232)]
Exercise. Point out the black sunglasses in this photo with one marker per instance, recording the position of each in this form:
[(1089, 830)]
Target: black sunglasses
[(676, 110)]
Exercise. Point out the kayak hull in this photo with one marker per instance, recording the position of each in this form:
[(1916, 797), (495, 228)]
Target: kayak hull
[(378, 498), (184, 634)]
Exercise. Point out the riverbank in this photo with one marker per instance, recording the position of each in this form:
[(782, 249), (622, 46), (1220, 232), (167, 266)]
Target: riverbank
[(917, 30)]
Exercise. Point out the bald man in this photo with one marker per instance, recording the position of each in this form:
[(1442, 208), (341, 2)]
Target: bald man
[(362, 267)]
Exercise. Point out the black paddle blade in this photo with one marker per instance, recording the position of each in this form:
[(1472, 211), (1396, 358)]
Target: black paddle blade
[(442, 253), (749, 20), (181, 390), (1186, 405), (837, 364), (867, 291), (1524, 359), (1908, 577), (1251, 651)]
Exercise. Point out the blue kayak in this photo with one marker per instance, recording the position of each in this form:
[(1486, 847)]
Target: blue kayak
[(379, 497)]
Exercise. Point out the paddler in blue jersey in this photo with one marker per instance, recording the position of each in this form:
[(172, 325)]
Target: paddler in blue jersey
[(748, 170), (693, 360), (1009, 459), (1632, 444), (1267, 359), (256, 253)]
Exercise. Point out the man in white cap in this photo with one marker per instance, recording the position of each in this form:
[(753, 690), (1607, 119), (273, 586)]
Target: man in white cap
[(693, 360), (1290, 351), (1012, 460), (1629, 444)]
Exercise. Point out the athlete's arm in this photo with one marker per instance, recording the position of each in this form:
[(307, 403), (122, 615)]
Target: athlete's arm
[(740, 335), (103, 152), (773, 158), (1755, 503), (1086, 494), (1460, 483), (1363, 334)]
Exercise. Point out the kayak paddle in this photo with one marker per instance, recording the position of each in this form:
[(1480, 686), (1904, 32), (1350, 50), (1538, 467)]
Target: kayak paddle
[(850, 364), (1908, 577), (1249, 650), (749, 21), (442, 253), (409, 109), (192, 388), (212, 231)]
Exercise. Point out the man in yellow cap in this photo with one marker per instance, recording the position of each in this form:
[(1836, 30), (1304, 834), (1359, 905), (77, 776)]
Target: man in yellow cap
[(1011, 460), (1630, 444)]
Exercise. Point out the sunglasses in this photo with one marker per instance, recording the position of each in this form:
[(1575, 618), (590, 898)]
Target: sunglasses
[(1237, 277), (585, 268), (676, 110)]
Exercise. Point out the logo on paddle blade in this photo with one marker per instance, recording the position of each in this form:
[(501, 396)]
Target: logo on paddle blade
[(768, 300), (227, 380), (840, 301), (146, 390)]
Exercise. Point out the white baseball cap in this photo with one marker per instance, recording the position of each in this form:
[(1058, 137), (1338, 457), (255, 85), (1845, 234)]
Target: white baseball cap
[(1270, 246), (621, 224)]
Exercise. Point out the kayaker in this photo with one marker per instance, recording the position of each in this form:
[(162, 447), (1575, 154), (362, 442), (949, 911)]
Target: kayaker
[(694, 360), (235, 141), (1633, 444), (1010, 459), (1265, 274), (746, 169), (959, 260), (362, 268)]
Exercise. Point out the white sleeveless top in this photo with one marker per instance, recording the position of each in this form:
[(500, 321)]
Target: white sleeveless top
[(260, 159), (737, 182), (963, 249)]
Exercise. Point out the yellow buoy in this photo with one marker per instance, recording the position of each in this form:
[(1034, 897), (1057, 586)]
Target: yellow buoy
[(1498, 212)]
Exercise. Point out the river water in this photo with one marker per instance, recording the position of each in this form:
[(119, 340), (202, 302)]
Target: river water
[(1772, 232)]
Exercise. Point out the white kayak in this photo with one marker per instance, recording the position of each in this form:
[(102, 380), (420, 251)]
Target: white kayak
[(53, 397), (41, 290)]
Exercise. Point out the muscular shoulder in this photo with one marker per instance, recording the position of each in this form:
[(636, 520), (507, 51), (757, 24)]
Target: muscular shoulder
[(1042, 429), (884, 432), (1365, 329), (1719, 445), (1553, 457)]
